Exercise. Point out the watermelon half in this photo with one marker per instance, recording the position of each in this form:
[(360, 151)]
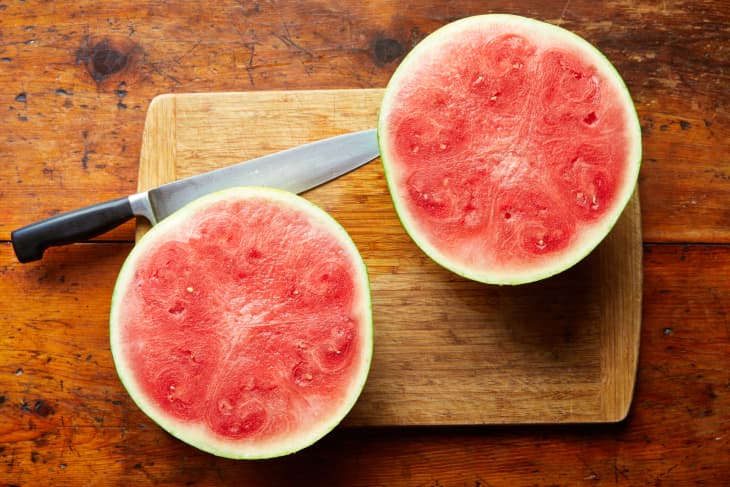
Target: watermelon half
[(242, 325), (510, 147)]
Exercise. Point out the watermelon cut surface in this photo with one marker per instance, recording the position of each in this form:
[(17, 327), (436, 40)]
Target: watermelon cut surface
[(510, 147), (242, 323)]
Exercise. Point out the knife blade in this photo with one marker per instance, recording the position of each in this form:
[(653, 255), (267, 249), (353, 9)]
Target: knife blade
[(297, 169)]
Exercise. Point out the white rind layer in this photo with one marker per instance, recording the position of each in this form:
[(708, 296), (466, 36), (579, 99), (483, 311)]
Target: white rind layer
[(198, 435), (538, 32)]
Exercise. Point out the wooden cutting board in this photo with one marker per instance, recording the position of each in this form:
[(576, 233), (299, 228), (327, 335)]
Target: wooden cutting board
[(447, 350)]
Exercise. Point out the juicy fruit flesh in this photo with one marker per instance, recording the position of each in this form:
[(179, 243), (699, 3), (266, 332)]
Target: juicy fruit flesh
[(221, 328), (507, 148)]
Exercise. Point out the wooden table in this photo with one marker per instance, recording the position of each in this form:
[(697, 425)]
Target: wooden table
[(75, 82)]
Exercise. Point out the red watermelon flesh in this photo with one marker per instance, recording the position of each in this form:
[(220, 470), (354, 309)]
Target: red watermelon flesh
[(511, 146), (242, 324)]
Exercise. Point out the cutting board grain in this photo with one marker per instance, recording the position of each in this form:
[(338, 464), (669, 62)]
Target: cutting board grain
[(447, 350)]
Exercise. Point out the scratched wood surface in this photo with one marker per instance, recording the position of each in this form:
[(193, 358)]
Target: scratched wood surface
[(447, 350), (76, 79)]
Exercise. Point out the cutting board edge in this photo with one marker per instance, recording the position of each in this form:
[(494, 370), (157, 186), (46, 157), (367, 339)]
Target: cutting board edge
[(618, 394)]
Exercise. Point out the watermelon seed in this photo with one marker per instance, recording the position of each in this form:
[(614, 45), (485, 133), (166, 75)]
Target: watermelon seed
[(591, 118), (189, 289), (302, 375), (594, 205)]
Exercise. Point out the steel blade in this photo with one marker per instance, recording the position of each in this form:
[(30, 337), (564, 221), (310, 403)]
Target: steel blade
[(297, 169)]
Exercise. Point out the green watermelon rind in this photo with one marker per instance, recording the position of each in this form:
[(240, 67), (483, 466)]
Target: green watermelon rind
[(196, 435), (609, 220)]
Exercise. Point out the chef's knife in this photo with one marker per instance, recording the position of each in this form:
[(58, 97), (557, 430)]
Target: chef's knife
[(296, 170)]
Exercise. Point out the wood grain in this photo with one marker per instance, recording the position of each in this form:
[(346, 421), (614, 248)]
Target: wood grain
[(447, 350), (77, 78), (66, 419)]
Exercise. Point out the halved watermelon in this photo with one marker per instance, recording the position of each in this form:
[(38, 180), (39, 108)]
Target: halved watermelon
[(510, 147), (242, 325)]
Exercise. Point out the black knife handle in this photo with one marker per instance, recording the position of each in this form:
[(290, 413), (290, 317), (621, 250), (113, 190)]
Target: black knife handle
[(31, 241)]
